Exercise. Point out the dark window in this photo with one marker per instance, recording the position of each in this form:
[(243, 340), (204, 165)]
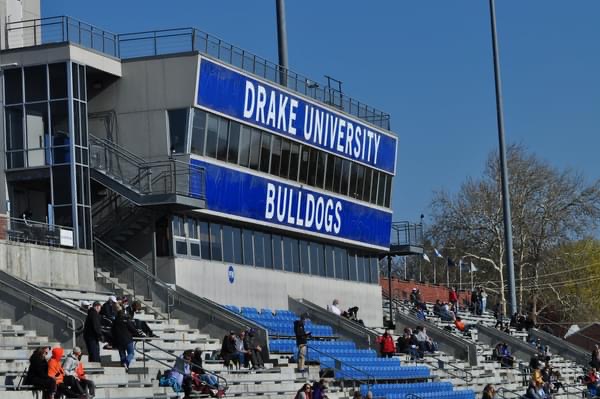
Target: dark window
[(329, 173), (215, 242), (248, 247), (374, 271), (84, 131), (178, 226), (312, 167), (75, 72), (234, 142), (192, 225), (304, 162), (259, 249), (180, 247), (388, 190), (374, 182), (363, 269), (255, 149), (245, 134), (212, 133), (353, 178), (304, 257), (294, 160), (59, 118), (178, 121), (268, 252), (329, 265), (366, 194), (82, 89), (228, 244), (198, 132), (222, 139), (58, 80), (61, 178), (317, 261), (352, 272), (35, 83), (76, 124), (320, 172), (237, 246), (337, 174), (195, 249), (288, 262), (345, 180), (277, 254), (14, 136), (295, 255), (204, 241), (381, 190), (341, 264), (276, 155), (13, 86), (284, 171), (265, 153)]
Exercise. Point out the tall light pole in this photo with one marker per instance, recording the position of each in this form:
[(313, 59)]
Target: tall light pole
[(282, 42), (503, 168)]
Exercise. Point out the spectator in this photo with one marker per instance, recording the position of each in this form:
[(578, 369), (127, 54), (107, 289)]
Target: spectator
[(595, 362), (74, 369), (198, 369), (413, 296), (352, 314), (334, 308), (357, 395), (482, 300), (92, 332), (66, 386), (109, 309), (446, 314), (254, 350), (535, 363), (386, 344), (229, 351), (453, 299), (141, 325), (37, 373), (461, 326), (240, 352), (437, 307), (499, 315), (591, 381), (123, 332), (506, 358), (420, 313), (488, 392), (425, 342), (182, 373), (301, 340), (318, 389), (474, 301), (304, 392), (535, 391), (85, 306)]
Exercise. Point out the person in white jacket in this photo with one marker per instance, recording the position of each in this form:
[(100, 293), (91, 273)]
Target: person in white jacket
[(74, 367)]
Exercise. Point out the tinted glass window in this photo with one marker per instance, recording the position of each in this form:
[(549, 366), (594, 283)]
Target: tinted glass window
[(178, 119), (14, 127), (388, 190), (304, 257), (268, 252), (248, 247), (284, 171), (345, 180), (367, 184), (337, 174), (75, 80), (204, 241), (212, 134), (316, 260), (58, 80), (288, 258), (35, 83), (275, 155), (222, 139), (374, 271), (312, 167), (82, 79), (381, 189), (329, 265), (265, 153), (237, 246), (192, 230), (304, 162), (259, 249), (215, 242), (277, 254), (198, 132), (234, 142), (255, 149), (61, 177), (329, 172), (294, 160), (13, 86), (352, 271), (228, 243), (245, 134), (374, 183), (320, 172), (341, 266)]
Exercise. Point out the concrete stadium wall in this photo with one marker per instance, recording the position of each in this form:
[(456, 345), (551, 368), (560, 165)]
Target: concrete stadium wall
[(263, 288), (402, 289), (48, 266)]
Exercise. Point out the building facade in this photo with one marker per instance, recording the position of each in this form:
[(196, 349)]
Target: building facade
[(188, 154)]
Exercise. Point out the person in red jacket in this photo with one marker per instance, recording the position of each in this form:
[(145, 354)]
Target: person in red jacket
[(386, 344), (453, 299)]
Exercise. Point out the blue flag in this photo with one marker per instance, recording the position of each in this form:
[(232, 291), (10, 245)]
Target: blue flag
[(451, 262)]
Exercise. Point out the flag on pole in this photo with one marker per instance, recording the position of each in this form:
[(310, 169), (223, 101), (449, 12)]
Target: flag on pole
[(451, 262), (473, 268), (426, 257), (460, 264), (437, 253)]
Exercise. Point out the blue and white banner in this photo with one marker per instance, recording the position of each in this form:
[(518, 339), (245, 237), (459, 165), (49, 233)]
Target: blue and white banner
[(264, 105), (237, 193)]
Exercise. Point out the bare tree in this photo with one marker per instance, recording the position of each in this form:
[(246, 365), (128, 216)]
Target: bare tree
[(549, 207)]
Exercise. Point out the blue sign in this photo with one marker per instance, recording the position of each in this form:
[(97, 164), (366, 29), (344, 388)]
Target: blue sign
[(238, 193), (231, 274), (266, 106)]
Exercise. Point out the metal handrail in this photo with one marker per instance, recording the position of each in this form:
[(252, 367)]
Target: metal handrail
[(371, 379), (501, 392), (146, 341), (74, 329)]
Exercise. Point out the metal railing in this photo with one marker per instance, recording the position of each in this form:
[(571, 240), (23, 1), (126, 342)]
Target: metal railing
[(28, 231), (170, 41), (146, 178), (406, 233), (146, 342), (504, 393)]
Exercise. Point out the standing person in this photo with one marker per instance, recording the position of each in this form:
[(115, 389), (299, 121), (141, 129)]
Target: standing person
[(386, 344), (301, 340), (73, 367), (499, 315), (488, 392), (482, 300), (453, 299), (123, 332), (37, 373), (475, 301), (92, 332)]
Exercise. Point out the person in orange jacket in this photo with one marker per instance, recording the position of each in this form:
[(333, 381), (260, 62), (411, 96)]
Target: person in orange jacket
[(66, 387)]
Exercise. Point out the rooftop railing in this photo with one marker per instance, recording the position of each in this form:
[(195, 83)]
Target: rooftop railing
[(29, 231), (170, 41), (407, 233)]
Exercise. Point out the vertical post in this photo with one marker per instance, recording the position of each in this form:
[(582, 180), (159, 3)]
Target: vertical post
[(447, 276), (390, 289), (34, 33), (503, 167), (73, 167), (420, 270), (434, 271), (282, 42)]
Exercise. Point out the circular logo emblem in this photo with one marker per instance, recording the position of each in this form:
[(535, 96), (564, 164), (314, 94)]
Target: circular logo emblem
[(231, 274)]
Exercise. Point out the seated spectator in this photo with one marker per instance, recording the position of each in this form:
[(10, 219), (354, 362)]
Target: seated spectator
[(420, 313), (74, 369), (229, 352), (109, 309), (353, 315), (241, 353), (446, 314), (199, 372), (141, 325), (65, 386), (555, 383), (386, 344), (535, 363), (37, 373), (304, 392), (334, 308), (318, 389), (182, 373), (408, 344), (425, 342), (85, 306), (591, 380), (535, 391), (437, 307), (488, 392), (254, 350), (506, 358), (595, 362), (461, 326)]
